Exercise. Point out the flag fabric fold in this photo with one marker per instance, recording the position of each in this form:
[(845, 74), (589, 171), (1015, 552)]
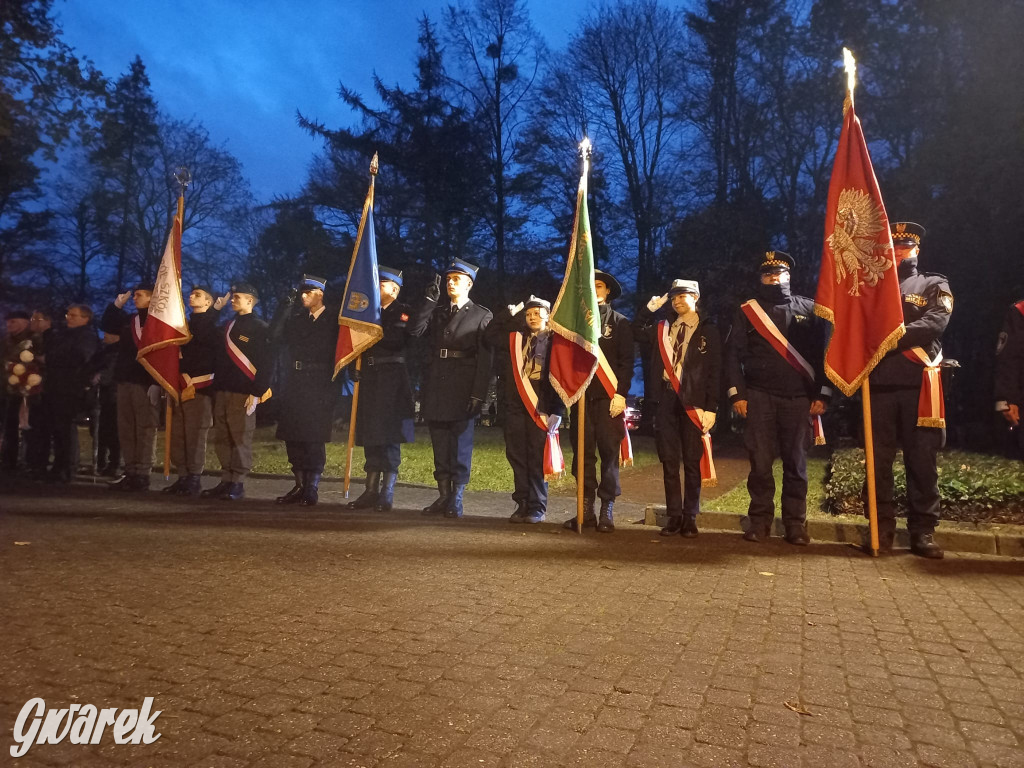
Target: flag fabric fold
[(166, 326), (858, 288), (574, 317), (359, 320)]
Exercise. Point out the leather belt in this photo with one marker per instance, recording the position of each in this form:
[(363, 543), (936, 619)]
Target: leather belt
[(381, 360), (447, 353)]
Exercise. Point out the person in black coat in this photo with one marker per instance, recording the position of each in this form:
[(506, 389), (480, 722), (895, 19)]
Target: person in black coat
[(309, 335), (896, 383), (685, 395), (522, 344), (606, 427), (778, 395), (384, 416), (1009, 378), (455, 380)]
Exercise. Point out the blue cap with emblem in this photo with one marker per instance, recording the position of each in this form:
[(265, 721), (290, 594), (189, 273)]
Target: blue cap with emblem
[(244, 287), (774, 261), (906, 233), (539, 303), (389, 273), (463, 267), (312, 281)]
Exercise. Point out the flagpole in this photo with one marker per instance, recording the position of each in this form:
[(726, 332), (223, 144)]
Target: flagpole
[(869, 457), (183, 180), (581, 473), (352, 427)]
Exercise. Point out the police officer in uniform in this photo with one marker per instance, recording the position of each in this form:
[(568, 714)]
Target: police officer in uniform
[(1009, 378), (384, 416), (455, 380), (605, 428), (896, 384), (192, 416), (309, 334), (524, 439), (138, 396), (694, 348), (776, 394), (241, 382)]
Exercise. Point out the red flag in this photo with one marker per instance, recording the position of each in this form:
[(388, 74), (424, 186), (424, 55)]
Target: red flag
[(166, 326), (858, 290)]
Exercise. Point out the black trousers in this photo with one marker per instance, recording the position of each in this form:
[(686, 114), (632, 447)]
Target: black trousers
[(777, 426), (382, 458), (40, 438), (452, 442), (61, 421), (306, 456), (524, 448), (894, 425), (108, 451), (12, 432), (605, 434), (678, 441)]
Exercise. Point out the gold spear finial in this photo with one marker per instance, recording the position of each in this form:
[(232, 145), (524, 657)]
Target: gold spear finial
[(586, 148), (850, 65), (373, 165)]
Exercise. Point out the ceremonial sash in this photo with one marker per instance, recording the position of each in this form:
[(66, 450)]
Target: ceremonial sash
[(238, 356), (765, 326), (189, 385), (1020, 307), (554, 462), (610, 382), (931, 406), (708, 476)]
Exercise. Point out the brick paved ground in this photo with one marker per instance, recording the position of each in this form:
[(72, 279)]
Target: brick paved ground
[(281, 639)]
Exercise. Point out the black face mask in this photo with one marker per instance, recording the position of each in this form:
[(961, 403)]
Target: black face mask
[(774, 294), (907, 268)]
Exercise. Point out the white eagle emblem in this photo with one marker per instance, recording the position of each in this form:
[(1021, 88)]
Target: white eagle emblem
[(854, 241)]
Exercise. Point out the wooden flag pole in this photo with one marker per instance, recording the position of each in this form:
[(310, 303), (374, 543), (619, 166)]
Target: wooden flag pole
[(352, 427), (581, 473), (869, 457)]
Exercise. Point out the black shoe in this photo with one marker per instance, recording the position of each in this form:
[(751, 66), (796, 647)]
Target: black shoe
[(674, 527), (310, 489), (121, 484), (797, 535), (386, 499), (174, 488), (193, 486), (689, 530), (531, 518), (923, 545), (440, 504), (217, 491), (606, 522), (294, 496), (138, 483), (368, 498), (757, 532), (234, 492), (455, 502)]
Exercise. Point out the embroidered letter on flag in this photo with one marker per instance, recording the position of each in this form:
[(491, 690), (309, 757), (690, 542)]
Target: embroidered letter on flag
[(359, 319), (574, 318), (858, 290), (166, 327)]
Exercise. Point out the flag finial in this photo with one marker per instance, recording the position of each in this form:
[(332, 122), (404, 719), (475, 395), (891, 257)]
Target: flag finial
[(850, 65), (586, 148), (373, 165), (183, 176)]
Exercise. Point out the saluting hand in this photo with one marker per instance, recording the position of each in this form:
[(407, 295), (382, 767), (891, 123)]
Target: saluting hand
[(122, 299), (222, 301), (515, 309), (433, 292), (656, 303)]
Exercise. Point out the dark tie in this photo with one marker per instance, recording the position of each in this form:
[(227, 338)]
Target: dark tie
[(531, 344), (677, 350), (452, 310)]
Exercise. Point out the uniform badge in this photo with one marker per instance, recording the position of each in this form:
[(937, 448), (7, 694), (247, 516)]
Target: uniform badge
[(916, 299), (357, 302), (405, 317), (703, 346), (1002, 342), (607, 331), (243, 338), (800, 318), (946, 301)]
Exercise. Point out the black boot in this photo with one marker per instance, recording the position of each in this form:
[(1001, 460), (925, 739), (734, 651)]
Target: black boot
[(234, 492), (294, 496), (589, 518), (193, 486), (923, 545), (606, 523), (675, 525), (310, 489), (455, 502), (217, 491), (797, 534), (758, 532), (174, 488), (368, 498), (886, 539), (689, 530), (440, 504), (386, 500)]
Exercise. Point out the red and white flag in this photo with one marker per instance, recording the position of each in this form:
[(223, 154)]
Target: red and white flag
[(166, 327)]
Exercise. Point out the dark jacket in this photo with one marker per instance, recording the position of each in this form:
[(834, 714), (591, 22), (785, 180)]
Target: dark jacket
[(68, 365), (127, 369), (386, 411), (251, 336), (617, 344), (497, 336), (752, 362), (199, 356), (927, 305), (308, 393), (458, 361), (702, 363), (1009, 383)]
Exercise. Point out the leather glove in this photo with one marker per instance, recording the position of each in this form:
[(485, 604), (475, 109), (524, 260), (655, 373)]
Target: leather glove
[(474, 406), (250, 404), (707, 421), (433, 292), (553, 423), (122, 299), (153, 393), (656, 303), (515, 309), (617, 405)]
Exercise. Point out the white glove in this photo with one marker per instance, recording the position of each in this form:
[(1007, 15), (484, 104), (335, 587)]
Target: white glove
[(250, 404), (122, 299), (222, 301), (707, 421), (515, 309), (656, 303), (553, 424), (153, 393), (616, 406)]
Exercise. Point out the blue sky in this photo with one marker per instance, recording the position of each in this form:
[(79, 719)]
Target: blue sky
[(242, 69)]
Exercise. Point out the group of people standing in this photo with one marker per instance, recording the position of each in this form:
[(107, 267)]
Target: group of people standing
[(770, 365)]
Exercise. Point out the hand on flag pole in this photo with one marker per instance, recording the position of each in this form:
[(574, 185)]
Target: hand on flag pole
[(617, 405)]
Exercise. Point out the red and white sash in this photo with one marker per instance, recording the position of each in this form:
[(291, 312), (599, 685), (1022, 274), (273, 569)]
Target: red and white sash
[(238, 356), (610, 382), (765, 326), (137, 330), (708, 476), (554, 462), (931, 406)]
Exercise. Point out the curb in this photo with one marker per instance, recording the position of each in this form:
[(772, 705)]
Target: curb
[(980, 542)]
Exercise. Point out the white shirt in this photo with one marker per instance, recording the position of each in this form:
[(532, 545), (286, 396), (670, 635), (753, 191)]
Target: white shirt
[(316, 315)]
